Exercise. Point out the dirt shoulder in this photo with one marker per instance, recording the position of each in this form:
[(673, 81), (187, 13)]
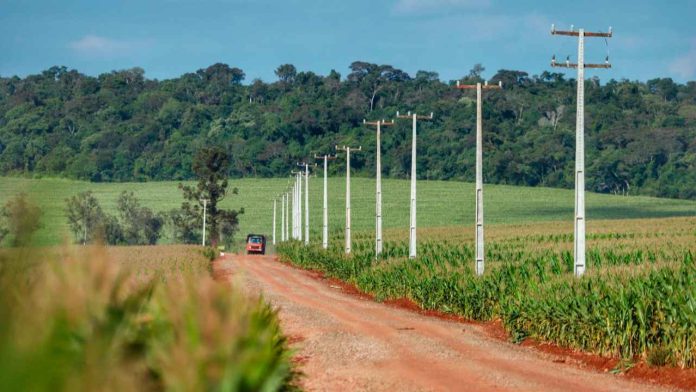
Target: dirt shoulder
[(348, 342)]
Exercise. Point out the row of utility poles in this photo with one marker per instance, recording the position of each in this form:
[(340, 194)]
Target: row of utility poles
[(295, 191)]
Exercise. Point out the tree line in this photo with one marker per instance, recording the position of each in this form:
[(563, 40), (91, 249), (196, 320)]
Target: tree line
[(122, 126)]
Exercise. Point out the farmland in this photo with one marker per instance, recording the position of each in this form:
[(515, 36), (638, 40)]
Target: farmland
[(132, 318), (635, 302), (440, 203)]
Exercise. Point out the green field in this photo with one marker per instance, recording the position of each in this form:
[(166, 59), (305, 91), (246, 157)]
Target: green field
[(440, 203)]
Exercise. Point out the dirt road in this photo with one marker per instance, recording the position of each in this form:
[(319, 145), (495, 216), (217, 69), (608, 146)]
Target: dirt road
[(346, 343)]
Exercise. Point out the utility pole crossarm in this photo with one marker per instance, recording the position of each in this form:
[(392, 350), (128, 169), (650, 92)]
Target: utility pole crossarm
[(344, 148), (484, 86), (381, 123), (574, 33), (568, 64), (409, 116), (574, 65)]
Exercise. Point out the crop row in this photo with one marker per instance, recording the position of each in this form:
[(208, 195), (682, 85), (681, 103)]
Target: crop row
[(637, 300)]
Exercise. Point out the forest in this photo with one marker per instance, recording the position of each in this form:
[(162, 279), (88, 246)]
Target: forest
[(121, 126)]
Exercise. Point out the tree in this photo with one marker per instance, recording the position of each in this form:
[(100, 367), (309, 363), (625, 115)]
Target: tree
[(21, 219), (510, 78), (427, 76), (475, 74), (139, 225), (211, 166), (121, 126), (286, 73), (257, 91), (229, 224), (4, 230), (85, 217), (223, 74), (664, 87), (373, 78), (186, 223)]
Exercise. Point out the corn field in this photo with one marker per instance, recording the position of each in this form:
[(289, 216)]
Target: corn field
[(132, 318), (637, 300)]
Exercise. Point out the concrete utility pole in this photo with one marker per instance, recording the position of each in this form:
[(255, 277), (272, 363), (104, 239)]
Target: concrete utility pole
[(412, 229), (294, 210), (291, 213), (274, 220), (348, 150), (325, 226), (479, 169), (205, 210), (287, 215), (293, 228), (579, 227), (299, 206), (282, 218), (306, 174), (378, 190)]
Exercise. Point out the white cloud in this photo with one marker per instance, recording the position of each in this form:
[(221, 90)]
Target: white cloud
[(684, 66), (102, 46), (408, 6)]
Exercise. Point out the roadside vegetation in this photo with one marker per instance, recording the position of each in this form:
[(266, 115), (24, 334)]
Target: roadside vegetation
[(132, 318), (637, 300)]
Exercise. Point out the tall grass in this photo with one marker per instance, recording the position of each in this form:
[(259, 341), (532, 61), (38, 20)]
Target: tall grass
[(637, 300), (141, 318)]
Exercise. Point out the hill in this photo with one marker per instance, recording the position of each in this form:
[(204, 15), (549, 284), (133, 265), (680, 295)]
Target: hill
[(121, 126)]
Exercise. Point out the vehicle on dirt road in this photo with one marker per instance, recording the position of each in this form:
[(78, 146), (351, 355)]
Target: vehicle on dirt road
[(256, 244)]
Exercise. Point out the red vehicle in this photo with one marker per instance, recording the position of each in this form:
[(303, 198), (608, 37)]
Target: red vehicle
[(256, 243)]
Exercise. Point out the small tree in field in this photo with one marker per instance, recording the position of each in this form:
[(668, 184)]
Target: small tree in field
[(139, 225), (211, 166), (85, 217), (19, 220)]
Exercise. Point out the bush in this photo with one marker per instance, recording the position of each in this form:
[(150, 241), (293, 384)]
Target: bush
[(210, 253), (19, 220)]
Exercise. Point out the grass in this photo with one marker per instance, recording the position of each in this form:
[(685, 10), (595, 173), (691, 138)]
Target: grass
[(440, 203), (636, 300)]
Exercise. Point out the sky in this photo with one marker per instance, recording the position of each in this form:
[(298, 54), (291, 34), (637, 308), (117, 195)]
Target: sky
[(170, 37)]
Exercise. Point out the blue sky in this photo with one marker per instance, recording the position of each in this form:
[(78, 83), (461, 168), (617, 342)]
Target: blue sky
[(171, 37)]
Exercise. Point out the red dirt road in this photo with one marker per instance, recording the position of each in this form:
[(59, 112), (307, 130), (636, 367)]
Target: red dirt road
[(346, 343)]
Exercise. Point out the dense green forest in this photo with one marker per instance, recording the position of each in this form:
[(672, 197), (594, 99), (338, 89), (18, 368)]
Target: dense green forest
[(121, 126)]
